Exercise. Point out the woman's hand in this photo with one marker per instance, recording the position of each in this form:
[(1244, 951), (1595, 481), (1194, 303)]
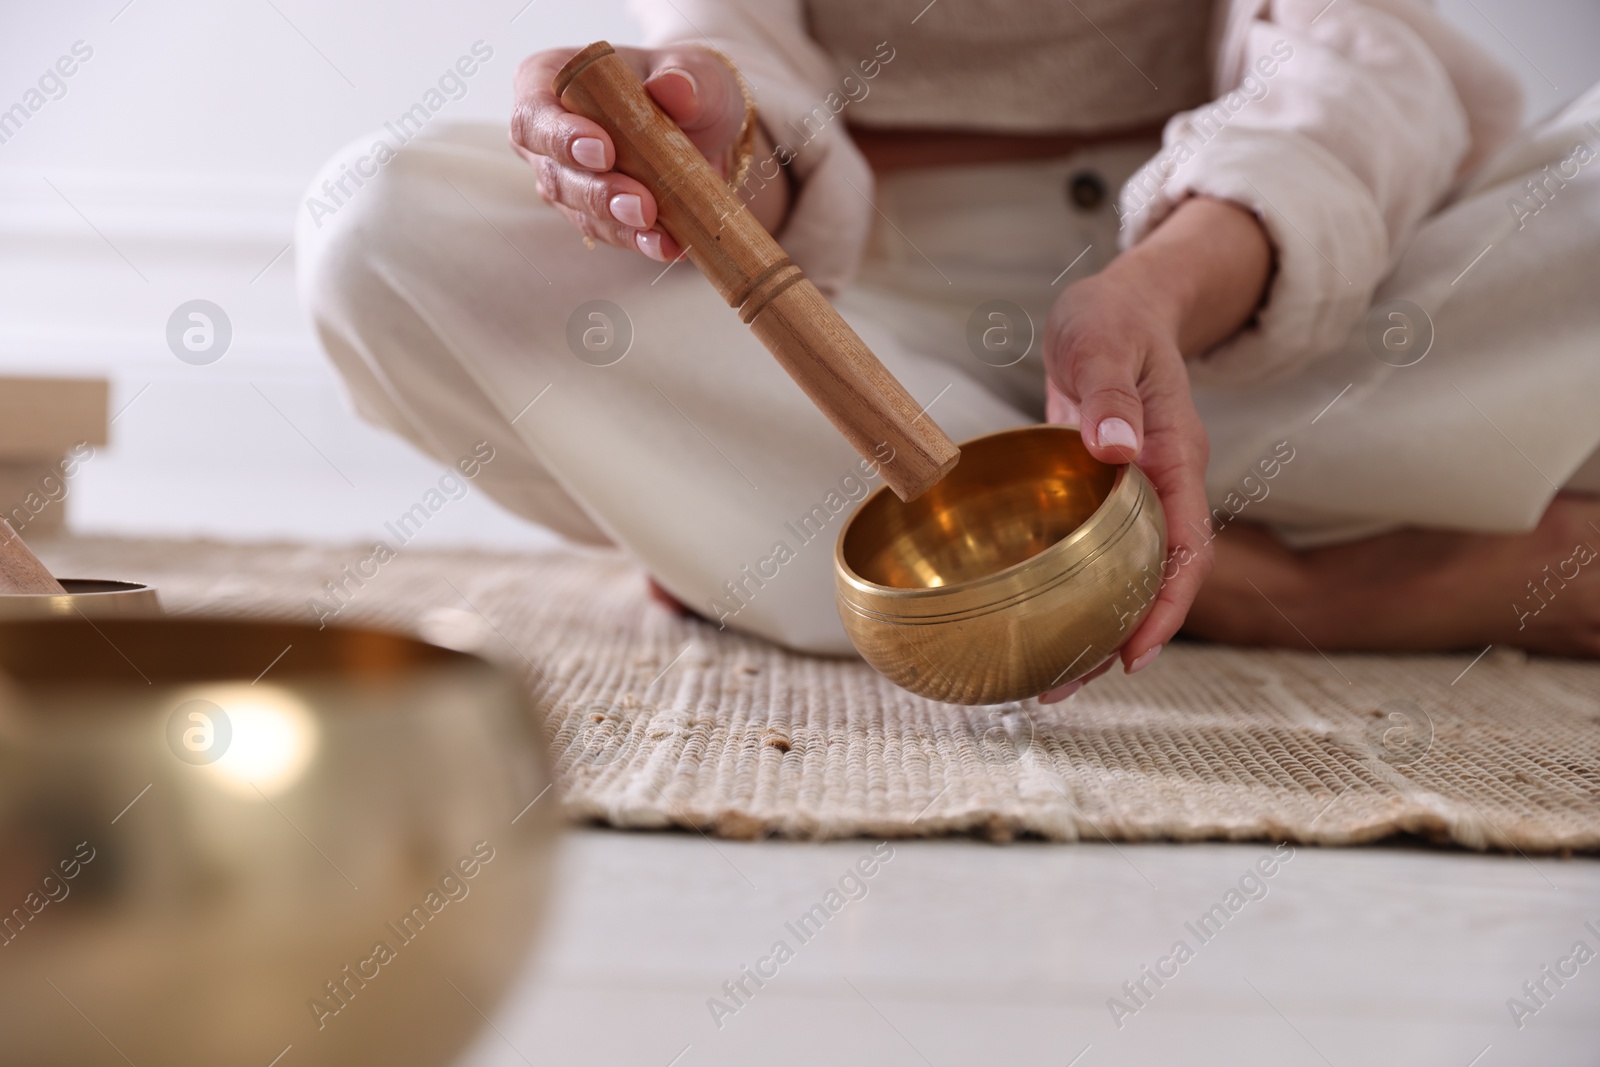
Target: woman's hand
[(1114, 353), (1111, 350), (572, 156)]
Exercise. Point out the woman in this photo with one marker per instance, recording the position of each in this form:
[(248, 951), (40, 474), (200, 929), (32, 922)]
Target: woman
[(1324, 273)]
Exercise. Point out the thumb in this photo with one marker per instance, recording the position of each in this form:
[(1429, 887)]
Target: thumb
[(695, 89), (1112, 413), (700, 94), (677, 90)]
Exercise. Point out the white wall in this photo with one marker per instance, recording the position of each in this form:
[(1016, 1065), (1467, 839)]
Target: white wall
[(186, 140), (172, 167)]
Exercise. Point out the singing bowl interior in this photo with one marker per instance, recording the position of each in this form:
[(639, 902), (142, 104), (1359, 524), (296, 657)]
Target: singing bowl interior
[(211, 826), (1012, 496)]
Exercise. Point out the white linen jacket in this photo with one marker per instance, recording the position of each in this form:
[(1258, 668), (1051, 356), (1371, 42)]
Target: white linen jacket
[(1372, 111)]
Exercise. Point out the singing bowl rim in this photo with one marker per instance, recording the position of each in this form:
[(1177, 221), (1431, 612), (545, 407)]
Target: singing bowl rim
[(84, 587), (100, 597), (342, 651), (875, 599)]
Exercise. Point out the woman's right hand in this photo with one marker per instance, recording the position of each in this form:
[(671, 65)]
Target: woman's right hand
[(572, 156)]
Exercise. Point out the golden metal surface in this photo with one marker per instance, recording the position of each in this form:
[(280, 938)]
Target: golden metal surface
[(342, 859), (1023, 569), (97, 598)]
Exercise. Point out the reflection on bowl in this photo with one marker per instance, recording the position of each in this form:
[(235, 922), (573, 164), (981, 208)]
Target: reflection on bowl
[(223, 839), (1024, 569)]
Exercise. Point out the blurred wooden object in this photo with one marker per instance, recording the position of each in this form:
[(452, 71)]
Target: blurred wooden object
[(20, 569), (26, 488), (43, 424)]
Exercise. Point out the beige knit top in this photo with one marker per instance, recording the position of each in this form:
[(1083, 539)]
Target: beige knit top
[(1036, 66)]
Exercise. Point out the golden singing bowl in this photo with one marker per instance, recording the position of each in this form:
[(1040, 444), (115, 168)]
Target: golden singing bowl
[(221, 840), (97, 598), (1024, 569)]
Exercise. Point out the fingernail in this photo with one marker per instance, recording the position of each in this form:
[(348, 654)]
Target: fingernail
[(1056, 696), (1119, 434), (590, 152), (649, 242), (694, 86), (1145, 660), (628, 209)]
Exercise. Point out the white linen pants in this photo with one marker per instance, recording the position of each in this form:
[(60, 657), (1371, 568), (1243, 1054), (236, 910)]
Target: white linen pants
[(457, 307)]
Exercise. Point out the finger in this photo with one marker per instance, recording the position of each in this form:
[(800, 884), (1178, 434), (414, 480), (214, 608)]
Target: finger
[(700, 94), (1105, 379), (1098, 671), (1181, 486), (696, 89), (1169, 610), (611, 197), (658, 246), (1059, 410), (601, 230), (541, 126), (1061, 693), (1057, 695), (652, 244)]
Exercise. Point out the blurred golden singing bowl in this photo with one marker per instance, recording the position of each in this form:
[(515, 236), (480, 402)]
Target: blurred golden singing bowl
[(96, 598), (221, 840), (1024, 569)]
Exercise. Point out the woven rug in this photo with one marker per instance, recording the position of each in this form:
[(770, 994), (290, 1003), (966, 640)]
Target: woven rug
[(656, 721)]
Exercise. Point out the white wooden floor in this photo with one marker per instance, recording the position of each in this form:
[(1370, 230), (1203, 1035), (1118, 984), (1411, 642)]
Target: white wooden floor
[(968, 953)]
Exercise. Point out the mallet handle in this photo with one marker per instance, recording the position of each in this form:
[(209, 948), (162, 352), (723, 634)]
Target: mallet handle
[(783, 308)]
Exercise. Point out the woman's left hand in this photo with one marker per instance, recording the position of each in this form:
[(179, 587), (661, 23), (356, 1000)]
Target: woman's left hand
[(1114, 367), (1114, 353)]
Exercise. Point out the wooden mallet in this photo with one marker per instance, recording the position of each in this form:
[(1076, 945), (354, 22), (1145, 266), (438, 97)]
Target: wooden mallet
[(20, 569), (749, 268)]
